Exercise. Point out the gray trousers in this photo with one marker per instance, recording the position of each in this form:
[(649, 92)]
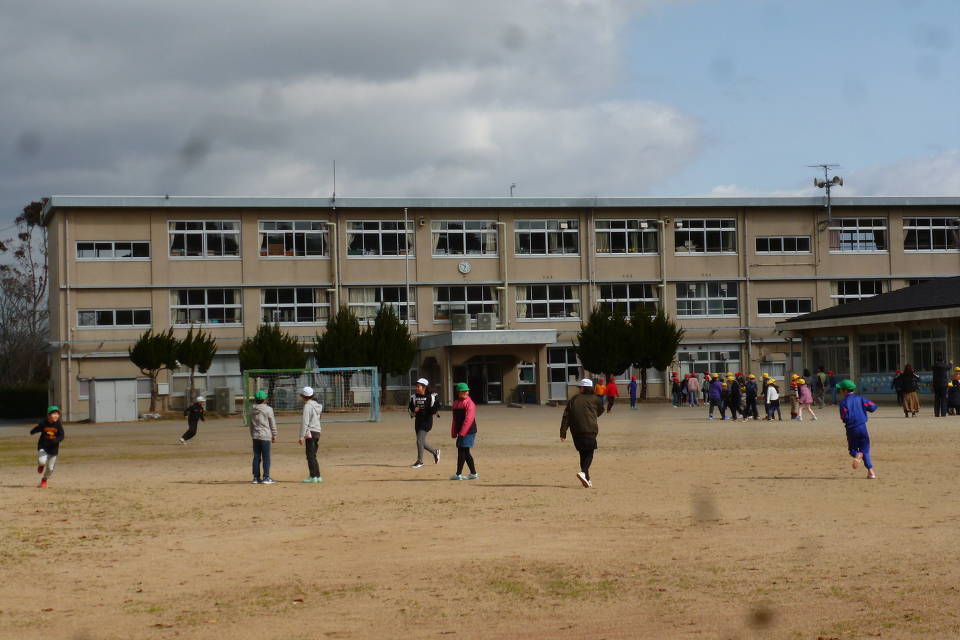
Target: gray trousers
[(422, 444)]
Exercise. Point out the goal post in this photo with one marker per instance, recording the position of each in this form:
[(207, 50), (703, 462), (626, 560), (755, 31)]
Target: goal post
[(348, 394)]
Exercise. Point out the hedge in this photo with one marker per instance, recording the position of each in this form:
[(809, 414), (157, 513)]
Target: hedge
[(23, 402)]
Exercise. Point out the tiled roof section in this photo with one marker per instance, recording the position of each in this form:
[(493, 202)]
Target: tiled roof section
[(934, 294)]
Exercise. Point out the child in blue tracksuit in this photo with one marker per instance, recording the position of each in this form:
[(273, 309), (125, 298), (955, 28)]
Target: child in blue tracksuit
[(853, 412), (715, 394), (633, 392)]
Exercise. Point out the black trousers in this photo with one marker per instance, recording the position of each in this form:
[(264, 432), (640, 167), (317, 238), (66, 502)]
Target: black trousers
[(586, 459), (310, 446), (191, 429), (751, 409), (464, 456), (939, 402)]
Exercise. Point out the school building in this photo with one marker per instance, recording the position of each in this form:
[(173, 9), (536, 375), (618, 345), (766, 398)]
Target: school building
[(494, 288)]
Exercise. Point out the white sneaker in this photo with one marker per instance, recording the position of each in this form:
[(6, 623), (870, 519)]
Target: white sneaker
[(473, 476), (416, 465), (457, 476), (582, 477), (436, 457), (182, 441)]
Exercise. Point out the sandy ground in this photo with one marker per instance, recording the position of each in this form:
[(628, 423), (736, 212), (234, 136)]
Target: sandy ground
[(694, 529)]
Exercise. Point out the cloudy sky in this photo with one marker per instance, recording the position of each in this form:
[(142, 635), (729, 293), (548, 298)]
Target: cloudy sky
[(456, 97)]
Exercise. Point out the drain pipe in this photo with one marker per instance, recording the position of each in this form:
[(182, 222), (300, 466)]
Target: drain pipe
[(335, 263), (504, 315), (66, 315)]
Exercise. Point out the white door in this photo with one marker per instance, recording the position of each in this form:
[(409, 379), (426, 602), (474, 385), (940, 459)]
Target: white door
[(104, 396), (126, 401)]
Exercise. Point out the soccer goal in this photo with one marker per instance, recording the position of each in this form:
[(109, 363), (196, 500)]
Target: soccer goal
[(348, 394)]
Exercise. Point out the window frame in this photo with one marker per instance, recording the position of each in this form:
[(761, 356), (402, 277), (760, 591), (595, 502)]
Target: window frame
[(785, 313), (485, 234), (631, 226), (529, 302), (527, 228), (881, 351), (410, 239), (113, 249), (840, 226), (206, 306), (707, 298), (398, 305), (683, 226), (629, 301), (782, 251), (844, 298), (295, 306), (114, 325), (205, 236), (263, 236), (494, 302), (932, 228)]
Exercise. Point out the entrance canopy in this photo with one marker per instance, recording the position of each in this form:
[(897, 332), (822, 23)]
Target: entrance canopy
[(496, 337)]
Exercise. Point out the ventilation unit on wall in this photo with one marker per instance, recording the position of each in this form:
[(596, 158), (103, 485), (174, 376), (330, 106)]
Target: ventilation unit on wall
[(486, 321), (460, 321)]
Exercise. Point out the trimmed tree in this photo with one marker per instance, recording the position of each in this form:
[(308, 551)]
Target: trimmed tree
[(654, 341), (196, 352), (342, 344), (272, 348), (390, 347), (152, 353), (603, 343)]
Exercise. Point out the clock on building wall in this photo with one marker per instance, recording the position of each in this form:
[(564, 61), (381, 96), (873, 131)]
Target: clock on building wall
[(464, 267)]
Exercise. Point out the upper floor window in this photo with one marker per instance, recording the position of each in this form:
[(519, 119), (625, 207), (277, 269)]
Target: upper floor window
[(547, 237), (858, 234), (707, 299), (616, 237), (464, 237), (293, 238), (205, 306), (710, 235), (295, 305), (366, 301), (844, 291), (535, 302), (628, 297), (113, 250), (471, 299), (379, 238), (931, 234), (783, 306), (114, 318), (783, 244), (204, 238)]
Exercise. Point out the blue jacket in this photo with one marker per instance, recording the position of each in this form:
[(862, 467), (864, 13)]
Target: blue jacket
[(853, 410), (716, 389), (633, 388), (751, 390)]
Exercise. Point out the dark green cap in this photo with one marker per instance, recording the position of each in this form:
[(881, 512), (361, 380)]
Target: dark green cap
[(462, 386), (847, 385), (53, 408)]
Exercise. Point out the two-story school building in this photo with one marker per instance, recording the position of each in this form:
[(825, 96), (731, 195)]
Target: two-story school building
[(494, 288)]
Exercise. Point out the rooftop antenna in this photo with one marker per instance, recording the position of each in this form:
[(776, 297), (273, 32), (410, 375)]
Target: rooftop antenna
[(334, 182), (827, 184), (513, 185)]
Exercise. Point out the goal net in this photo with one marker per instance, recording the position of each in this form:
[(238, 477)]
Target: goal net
[(348, 394)]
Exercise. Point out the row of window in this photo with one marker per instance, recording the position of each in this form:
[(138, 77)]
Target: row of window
[(310, 238), (309, 305), (879, 353)]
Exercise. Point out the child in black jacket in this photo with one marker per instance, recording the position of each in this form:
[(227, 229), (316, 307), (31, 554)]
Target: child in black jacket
[(48, 446), (194, 414)]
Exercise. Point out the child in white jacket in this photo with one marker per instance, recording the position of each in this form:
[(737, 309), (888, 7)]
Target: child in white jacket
[(310, 432), (773, 399)]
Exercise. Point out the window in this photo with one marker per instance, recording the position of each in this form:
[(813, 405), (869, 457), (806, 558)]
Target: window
[(542, 301), (626, 298), (301, 305), (113, 251), (928, 346), (712, 235), (366, 301), (858, 234), (378, 238), (204, 238), (472, 299), (784, 306), (713, 358), (527, 372), (115, 318), (783, 244), (832, 353), (844, 291), (931, 234), (564, 368), (464, 237), (205, 306), (916, 281), (879, 352), (707, 299), (224, 371), (615, 237), (293, 238), (547, 237)]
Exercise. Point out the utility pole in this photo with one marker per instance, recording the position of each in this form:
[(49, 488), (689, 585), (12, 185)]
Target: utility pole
[(827, 183)]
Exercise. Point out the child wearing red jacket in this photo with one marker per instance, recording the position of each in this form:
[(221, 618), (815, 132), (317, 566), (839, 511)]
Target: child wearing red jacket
[(464, 429), (612, 393)]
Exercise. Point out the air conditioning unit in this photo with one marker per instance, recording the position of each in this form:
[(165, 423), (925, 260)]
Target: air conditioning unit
[(460, 321), (486, 321)]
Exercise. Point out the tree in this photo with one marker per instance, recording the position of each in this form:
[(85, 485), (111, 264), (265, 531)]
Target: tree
[(152, 353), (342, 344), (23, 298), (603, 343), (196, 351), (389, 345), (272, 348), (654, 341)]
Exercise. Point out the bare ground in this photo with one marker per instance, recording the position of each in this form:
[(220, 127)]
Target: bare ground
[(694, 529)]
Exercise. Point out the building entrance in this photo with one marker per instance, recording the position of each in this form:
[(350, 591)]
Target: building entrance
[(484, 376)]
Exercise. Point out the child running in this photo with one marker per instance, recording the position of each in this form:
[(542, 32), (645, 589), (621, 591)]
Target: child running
[(310, 432), (263, 431), (612, 393), (464, 429), (423, 406), (853, 412), (194, 414), (580, 417), (48, 445), (806, 398)]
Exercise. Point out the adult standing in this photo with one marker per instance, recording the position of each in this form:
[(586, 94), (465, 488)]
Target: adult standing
[(910, 387), (310, 432), (263, 432), (464, 428), (941, 377), (580, 417), (612, 393), (633, 392), (194, 414), (423, 406)]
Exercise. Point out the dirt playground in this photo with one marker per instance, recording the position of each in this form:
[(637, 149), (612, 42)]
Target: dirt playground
[(694, 529)]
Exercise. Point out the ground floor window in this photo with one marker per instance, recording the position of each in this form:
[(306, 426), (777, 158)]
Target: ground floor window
[(832, 353), (879, 352), (712, 358), (527, 372), (564, 368), (224, 372), (928, 345)]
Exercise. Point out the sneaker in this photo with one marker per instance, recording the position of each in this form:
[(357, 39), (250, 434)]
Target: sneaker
[(318, 479), (457, 476), (268, 481), (436, 457), (182, 441), (814, 418), (40, 468), (709, 417), (473, 476), (416, 465), (582, 477), (43, 483), (589, 484), (255, 481), (308, 480), (871, 475), (855, 463)]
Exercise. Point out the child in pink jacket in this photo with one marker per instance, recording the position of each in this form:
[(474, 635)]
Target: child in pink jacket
[(806, 398)]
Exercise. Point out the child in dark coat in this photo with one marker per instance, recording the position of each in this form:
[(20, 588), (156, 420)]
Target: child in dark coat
[(48, 445)]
